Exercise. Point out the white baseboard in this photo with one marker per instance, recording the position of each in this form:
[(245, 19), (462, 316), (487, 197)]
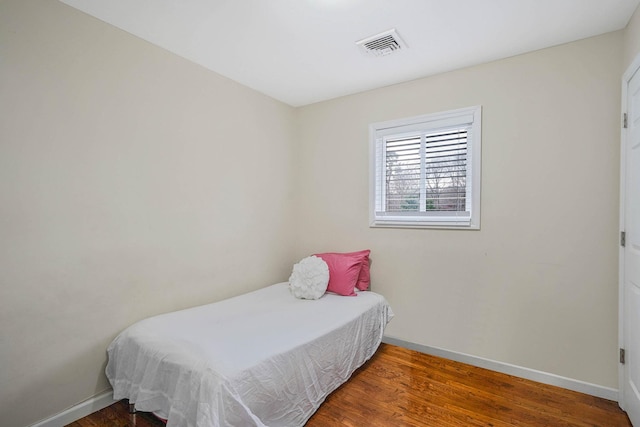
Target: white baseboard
[(506, 368), (78, 411)]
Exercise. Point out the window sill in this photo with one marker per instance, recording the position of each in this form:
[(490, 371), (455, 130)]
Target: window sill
[(421, 225)]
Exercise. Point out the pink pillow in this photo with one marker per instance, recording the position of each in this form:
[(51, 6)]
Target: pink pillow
[(347, 271), (364, 279)]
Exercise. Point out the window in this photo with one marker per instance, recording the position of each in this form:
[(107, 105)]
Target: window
[(425, 171)]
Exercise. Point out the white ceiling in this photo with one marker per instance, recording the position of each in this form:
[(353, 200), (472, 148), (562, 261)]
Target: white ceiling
[(304, 51)]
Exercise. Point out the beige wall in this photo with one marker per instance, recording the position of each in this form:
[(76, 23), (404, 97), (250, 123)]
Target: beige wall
[(632, 39), (132, 182), (537, 285)]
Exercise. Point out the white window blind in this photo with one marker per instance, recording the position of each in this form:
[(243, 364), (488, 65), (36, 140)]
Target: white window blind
[(426, 171)]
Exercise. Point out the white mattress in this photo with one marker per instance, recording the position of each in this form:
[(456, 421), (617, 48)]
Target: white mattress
[(261, 359)]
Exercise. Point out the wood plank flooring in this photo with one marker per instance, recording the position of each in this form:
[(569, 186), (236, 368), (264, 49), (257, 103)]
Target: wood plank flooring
[(401, 387)]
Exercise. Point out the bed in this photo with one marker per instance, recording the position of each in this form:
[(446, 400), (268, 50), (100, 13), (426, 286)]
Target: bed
[(264, 358)]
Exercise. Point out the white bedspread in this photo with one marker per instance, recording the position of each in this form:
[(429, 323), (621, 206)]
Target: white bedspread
[(261, 359)]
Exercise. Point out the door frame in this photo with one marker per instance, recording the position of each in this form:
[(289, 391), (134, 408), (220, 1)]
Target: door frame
[(626, 77)]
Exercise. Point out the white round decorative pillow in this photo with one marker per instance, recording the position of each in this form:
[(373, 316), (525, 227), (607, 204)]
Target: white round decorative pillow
[(309, 278)]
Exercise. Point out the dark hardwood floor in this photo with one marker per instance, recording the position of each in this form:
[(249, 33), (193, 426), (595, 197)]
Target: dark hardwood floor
[(400, 387)]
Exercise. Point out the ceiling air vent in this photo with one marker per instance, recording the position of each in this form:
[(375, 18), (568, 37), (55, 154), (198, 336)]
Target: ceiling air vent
[(382, 44)]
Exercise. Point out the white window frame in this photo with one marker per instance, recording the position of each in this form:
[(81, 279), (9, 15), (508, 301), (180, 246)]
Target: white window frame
[(472, 117)]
